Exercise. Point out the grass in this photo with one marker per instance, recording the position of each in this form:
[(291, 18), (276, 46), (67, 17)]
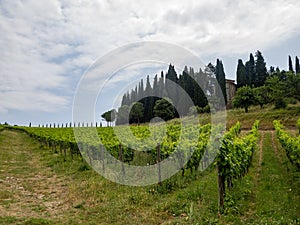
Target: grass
[(266, 115), (278, 195)]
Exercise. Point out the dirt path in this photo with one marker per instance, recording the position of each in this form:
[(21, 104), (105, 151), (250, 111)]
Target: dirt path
[(259, 158), (275, 148), (27, 187), (260, 155)]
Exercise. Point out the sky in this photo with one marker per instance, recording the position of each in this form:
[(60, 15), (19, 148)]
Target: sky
[(47, 46)]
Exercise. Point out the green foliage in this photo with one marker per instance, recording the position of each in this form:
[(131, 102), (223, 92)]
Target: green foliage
[(291, 65), (262, 95), (37, 221), (193, 111), (193, 84), (136, 112), (164, 109), (236, 153), (123, 115), (244, 98), (110, 115), (260, 69), (289, 143), (241, 74), (62, 140), (283, 85), (250, 70), (291, 85), (280, 103), (220, 76), (298, 125), (206, 109), (297, 66)]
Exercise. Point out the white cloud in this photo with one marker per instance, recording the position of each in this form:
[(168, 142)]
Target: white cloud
[(46, 44)]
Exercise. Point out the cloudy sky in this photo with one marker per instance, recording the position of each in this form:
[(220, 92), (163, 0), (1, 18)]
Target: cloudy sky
[(46, 46)]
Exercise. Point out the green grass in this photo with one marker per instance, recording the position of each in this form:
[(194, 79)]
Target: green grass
[(266, 115), (25, 221), (278, 195)]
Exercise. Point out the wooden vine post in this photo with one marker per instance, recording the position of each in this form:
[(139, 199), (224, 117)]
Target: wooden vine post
[(221, 187), (158, 163)]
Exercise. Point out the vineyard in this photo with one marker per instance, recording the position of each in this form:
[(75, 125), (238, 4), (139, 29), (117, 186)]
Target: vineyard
[(203, 154), (289, 143), (194, 147)]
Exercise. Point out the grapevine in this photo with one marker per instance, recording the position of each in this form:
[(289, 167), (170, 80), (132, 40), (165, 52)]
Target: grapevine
[(235, 157), (289, 143)]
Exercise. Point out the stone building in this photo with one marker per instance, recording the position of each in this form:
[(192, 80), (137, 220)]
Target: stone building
[(230, 92)]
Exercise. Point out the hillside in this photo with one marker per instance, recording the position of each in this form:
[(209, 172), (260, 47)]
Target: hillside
[(39, 186)]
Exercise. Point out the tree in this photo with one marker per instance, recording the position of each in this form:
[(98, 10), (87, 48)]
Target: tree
[(171, 80), (250, 70), (297, 65), (109, 116), (155, 87), (241, 74), (220, 76), (262, 95), (161, 85), (244, 98), (136, 112), (292, 85), (164, 109), (140, 90), (193, 111), (148, 101), (123, 115), (200, 98), (260, 70), (277, 87), (290, 64), (187, 83)]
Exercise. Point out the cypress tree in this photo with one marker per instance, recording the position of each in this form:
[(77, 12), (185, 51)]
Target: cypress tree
[(171, 80), (220, 76), (250, 70), (241, 74), (187, 83), (200, 98), (133, 95), (141, 90), (290, 64), (297, 65), (155, 86), (272, 70), (260, 70), (148, 102)]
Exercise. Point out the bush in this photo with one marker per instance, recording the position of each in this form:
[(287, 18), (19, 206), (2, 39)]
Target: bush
[(292, 101), (206, 109), (280, 103)]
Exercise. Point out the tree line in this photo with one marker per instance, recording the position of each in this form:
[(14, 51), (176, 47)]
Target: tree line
[(165, 100), (258, 86)]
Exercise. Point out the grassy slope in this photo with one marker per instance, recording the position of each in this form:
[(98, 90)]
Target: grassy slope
[(266, 115), (268, 194)]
